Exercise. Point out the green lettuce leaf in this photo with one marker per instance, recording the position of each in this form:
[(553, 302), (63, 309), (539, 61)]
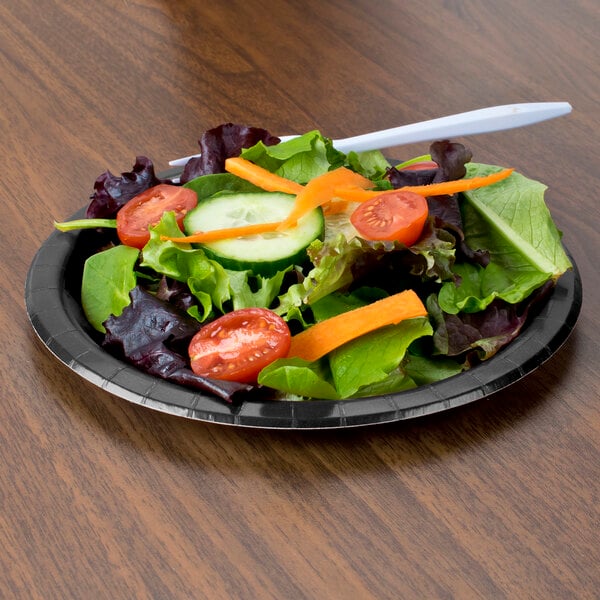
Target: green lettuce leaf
[(209, 282), (371, 358), (108, 277), (371, 164), (339, 260), (244, 295), (480, 286), (207, 279), (368, 365), (300, 159), (298, 377), (394, 382), (429, 369), (512, 222), (209, 185), (312, 154), (332, 271)]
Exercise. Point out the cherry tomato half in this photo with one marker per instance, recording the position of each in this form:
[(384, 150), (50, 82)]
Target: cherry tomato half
[(391, 216), (236, 346), (147, 208), (424, 165)]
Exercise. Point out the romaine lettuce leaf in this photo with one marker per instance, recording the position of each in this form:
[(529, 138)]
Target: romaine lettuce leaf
[(369, 365), (511, 221), (480, 286)]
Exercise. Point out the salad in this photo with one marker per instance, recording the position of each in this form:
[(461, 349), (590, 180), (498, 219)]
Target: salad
[(294, 271)]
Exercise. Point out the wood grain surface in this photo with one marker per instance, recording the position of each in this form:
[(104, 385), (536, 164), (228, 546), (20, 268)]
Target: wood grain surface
[(103, 499)]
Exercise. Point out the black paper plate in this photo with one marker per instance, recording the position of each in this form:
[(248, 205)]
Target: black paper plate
[(52, 301)]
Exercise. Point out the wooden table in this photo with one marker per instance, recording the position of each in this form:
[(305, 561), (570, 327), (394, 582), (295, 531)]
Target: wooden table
[(101, 498)]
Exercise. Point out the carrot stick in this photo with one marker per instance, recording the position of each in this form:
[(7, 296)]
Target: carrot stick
[(336, 206), (356, 194), (261, 177), (319, 191), (316, 341), (204, 237), (459, 185)]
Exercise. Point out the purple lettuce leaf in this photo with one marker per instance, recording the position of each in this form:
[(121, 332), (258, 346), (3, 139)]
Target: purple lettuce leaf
[(175, 292), (445, 211), (153, 336), (111, 192), (451, 158), (220, 143), (478, 336)]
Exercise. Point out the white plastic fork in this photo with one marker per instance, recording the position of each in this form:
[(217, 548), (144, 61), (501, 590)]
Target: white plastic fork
[(483, 120)]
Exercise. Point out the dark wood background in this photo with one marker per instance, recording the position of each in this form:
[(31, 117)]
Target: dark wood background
[(104, 499)]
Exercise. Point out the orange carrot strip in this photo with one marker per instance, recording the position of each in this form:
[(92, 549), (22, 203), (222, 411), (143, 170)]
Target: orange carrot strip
[(320, 191), (316, 341), (203, 237), (355, 194), (459, 185), (261, 177), (336, 206)]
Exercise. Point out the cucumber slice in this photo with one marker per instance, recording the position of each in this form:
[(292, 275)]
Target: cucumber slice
[(263, 254)]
